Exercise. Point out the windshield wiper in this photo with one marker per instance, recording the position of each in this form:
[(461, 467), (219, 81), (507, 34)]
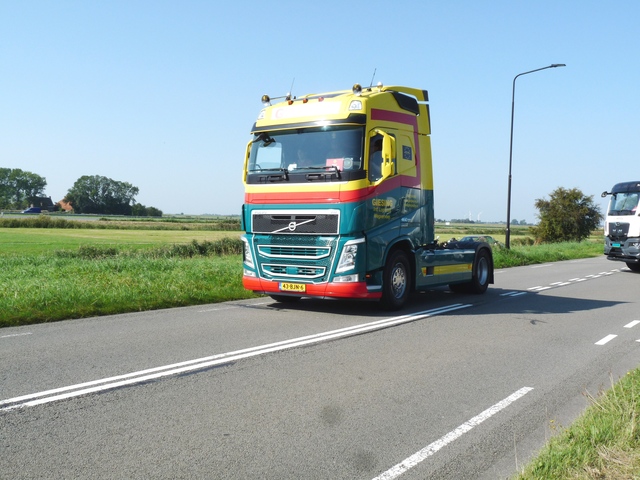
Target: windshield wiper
[(271, 174), (328, 173)]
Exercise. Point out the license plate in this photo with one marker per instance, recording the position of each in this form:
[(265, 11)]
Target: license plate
[(617, 245), (293, 287)]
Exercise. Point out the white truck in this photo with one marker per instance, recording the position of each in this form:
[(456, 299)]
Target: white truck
[(622, 224)]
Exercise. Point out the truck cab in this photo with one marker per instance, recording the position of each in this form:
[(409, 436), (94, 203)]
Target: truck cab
[(339, 200), (622, 224)]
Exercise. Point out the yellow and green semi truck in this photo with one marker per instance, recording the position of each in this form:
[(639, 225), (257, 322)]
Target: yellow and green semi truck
[(339, 201)]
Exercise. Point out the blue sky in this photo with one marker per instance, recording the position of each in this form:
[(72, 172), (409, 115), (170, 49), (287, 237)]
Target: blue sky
[(162, 94)]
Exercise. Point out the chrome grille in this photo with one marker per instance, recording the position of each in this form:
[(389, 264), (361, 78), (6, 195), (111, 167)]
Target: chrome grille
[(293, 271), (288, 251)]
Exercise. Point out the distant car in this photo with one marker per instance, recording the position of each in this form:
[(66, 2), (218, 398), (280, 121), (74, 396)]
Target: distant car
[(32, 210), (481, 238)]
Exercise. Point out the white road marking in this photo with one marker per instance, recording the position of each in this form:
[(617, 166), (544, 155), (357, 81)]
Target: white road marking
[(216, 309), (512, 294), (16, 335), (539, 289), (632, 324), (70, 391), (432, 448), (606, 339)]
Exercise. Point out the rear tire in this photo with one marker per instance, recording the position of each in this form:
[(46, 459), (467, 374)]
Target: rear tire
[(481, 272), (480, 277), (396, 281)]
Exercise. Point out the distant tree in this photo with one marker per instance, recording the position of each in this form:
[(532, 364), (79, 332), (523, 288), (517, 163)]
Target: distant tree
[(102, 195), (568, 215), (17, 186), (154, 212), (140, 210)]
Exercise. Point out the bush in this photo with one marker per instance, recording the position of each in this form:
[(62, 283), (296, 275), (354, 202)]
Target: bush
[(224, 246), (568, 216)]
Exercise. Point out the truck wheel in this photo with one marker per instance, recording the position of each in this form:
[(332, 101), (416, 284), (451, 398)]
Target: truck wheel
[(284, 298), (481, 272), (396, 281), (634, 267)]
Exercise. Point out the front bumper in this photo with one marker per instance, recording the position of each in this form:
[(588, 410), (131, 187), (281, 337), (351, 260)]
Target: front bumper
[(357, 290), (624, 251)]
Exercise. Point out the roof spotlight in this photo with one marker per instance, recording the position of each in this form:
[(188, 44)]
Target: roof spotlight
[(266, 100), (357, 89)]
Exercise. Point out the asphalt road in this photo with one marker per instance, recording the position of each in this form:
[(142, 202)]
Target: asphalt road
[(453, 387)]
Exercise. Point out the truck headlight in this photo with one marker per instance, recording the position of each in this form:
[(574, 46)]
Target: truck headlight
[(347, 257), (246, 253)]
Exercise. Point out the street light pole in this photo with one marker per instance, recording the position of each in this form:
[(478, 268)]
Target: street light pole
[(513, 96)]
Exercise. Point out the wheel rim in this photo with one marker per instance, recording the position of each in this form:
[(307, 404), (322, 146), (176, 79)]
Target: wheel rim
[(398, 281)]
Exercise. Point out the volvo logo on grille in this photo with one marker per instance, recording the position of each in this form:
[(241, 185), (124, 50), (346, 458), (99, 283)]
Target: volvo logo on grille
[(292, 226)]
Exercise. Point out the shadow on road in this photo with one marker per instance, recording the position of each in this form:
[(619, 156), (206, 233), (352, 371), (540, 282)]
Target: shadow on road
[(495, 300)]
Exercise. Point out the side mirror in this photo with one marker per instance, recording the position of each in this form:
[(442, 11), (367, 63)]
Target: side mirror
[(247, 154), (388, 154)]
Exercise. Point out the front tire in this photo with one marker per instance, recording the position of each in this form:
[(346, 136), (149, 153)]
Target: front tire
[(396, 281), (634, 267)]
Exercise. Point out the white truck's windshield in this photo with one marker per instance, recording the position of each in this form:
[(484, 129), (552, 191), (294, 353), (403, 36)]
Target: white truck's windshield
[(308, 149), (624, 203)]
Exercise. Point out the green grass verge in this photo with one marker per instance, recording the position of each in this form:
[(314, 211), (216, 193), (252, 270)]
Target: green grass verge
[(99, 280), (555, 252), (604, 443)]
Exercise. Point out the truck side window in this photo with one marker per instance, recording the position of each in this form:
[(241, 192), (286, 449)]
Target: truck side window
[(375, 158)]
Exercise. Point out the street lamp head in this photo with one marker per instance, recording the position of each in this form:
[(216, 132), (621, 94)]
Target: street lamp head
[(554, 65)]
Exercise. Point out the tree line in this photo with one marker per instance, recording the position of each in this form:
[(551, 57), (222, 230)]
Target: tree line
[(89, 194)]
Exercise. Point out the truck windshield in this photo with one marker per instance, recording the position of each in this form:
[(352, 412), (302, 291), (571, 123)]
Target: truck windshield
[(624, 203), (307, 149)]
